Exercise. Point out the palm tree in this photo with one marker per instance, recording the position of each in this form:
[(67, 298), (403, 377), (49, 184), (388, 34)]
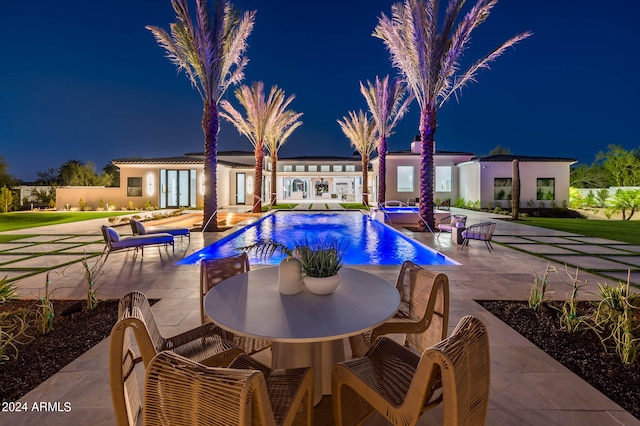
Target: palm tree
[(283, 124), (429, 60), (211, 53), (387, 108), (266, 120), (360, 130)]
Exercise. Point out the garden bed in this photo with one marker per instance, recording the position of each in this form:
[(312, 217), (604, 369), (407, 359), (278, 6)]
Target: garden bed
[(44, 355), (581, 352)]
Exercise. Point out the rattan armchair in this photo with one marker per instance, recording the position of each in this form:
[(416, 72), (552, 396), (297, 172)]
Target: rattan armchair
[(448, 223), (180, 392), (401, 385), (201, 344), (423, 315), (481, 232), (214, 271)]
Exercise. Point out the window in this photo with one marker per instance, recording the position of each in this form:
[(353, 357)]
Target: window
[(313, 168), (502, 189), (325, 168), (134, 187), (546, 189), (337, 168), (299, 168), (288, 168), (351, 168), (443, 178), (405, 178)]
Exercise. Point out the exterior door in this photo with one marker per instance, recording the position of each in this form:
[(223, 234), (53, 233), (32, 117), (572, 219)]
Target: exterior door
[(241, 189)]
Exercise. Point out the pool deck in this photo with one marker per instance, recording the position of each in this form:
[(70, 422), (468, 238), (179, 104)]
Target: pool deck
[(528, 387)]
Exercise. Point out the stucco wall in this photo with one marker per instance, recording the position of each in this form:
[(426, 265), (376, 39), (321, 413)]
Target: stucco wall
[(529, 173), (69, 197)]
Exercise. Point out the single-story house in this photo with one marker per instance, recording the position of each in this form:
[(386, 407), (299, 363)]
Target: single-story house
[(179, 181)]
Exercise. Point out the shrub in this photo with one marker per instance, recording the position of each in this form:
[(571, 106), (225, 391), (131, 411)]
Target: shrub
[(7, 291), (130, 206), (82, 205)]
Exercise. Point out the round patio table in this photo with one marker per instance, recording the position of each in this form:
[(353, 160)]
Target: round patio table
[(306, 329)]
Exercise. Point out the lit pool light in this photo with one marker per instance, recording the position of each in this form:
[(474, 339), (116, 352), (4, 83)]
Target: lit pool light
[(370, 242)]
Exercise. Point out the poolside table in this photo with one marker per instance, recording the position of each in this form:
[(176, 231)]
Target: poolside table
[(306, 329)]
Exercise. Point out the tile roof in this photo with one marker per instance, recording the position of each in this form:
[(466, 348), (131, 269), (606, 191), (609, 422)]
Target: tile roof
[(408, 152)]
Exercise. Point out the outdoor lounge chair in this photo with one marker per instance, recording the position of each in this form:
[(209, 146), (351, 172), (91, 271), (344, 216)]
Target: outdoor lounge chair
[(180, 392), (444, 205), (134, 315), (449, 222), (214, 271), (401, 385), (481, 232), (423, 315), (139, 229), (113, 241)]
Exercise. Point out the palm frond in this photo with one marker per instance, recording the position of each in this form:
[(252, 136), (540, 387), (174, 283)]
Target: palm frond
[(469, 75), (387, 104), (361, 132)]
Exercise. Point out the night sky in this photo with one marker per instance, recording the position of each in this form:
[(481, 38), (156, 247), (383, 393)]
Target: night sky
[(86, 81)]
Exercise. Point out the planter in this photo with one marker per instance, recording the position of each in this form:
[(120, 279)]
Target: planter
[(322, 286), (290, 276)]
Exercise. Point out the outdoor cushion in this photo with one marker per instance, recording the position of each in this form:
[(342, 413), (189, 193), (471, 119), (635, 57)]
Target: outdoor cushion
[(140, 240), (113, 234)]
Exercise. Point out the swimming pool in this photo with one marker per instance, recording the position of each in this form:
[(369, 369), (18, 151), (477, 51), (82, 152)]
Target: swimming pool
[(370, 242)]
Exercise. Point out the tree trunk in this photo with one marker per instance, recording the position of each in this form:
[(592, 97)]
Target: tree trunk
[(427, 135), (515, 189), (274, 163), (210, 127), (365, 178), (382, 170), (257, 182)]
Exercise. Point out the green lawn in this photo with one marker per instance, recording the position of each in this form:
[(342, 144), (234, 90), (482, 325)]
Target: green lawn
[(23, 220), (627, 231), (280, 206), (354, 206)]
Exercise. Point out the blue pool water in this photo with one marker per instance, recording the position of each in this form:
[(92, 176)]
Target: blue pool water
[(370, 242)]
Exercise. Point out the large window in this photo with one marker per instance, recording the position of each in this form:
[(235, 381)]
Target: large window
[(546, 189), (299, 168), (287, 168), (350, 168), (405, 178), (134, 187), (325, 168), (443, 178), (312, 168), (337, 168), (502, 189)]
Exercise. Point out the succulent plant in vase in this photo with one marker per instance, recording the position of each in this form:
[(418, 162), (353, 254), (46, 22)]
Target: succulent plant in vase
[(318, 258)]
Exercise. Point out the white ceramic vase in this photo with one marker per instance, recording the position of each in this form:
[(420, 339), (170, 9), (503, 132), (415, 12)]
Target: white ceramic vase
[(290, 276), (322, 286)]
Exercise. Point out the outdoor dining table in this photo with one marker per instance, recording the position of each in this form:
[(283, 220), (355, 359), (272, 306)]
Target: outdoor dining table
[(306, 329)]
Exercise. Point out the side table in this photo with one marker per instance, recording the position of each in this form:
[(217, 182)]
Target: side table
[(456, 235)]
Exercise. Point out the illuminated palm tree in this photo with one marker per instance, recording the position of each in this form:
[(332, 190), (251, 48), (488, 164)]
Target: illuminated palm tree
[(266, 120), (428, 58), (387, 107), (360, 130), (284, 122), (211, 53)]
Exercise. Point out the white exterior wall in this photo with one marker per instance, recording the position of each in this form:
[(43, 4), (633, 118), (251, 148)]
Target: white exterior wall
[(530, 171), (395, 161), (469, 181)]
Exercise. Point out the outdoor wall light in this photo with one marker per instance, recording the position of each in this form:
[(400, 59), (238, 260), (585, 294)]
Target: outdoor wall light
[(202, 184), (250, 185), (150, 184)]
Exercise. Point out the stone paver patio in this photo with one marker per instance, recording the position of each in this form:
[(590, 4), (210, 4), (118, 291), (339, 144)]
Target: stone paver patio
[(527, 386)]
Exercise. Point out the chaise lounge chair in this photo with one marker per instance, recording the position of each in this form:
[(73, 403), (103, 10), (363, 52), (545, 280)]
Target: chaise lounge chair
[(113, 241), (139, 229)]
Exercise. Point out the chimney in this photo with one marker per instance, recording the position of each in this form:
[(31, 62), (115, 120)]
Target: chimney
[(416, 145)]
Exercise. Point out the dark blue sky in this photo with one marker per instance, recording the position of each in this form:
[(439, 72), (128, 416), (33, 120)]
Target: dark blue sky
[(85, 80)]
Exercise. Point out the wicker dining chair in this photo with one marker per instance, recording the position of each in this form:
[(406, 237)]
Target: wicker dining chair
[(201, 344), (213, 272), (423, 315), (180, 392), (401, 385)]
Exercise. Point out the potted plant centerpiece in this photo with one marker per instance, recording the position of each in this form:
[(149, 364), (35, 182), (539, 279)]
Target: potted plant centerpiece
[(319, 259)]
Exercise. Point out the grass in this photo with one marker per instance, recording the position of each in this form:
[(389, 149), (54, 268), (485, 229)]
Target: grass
[(618, 230), (9, 238), (281, 206), (354, 206), (22, 220)]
